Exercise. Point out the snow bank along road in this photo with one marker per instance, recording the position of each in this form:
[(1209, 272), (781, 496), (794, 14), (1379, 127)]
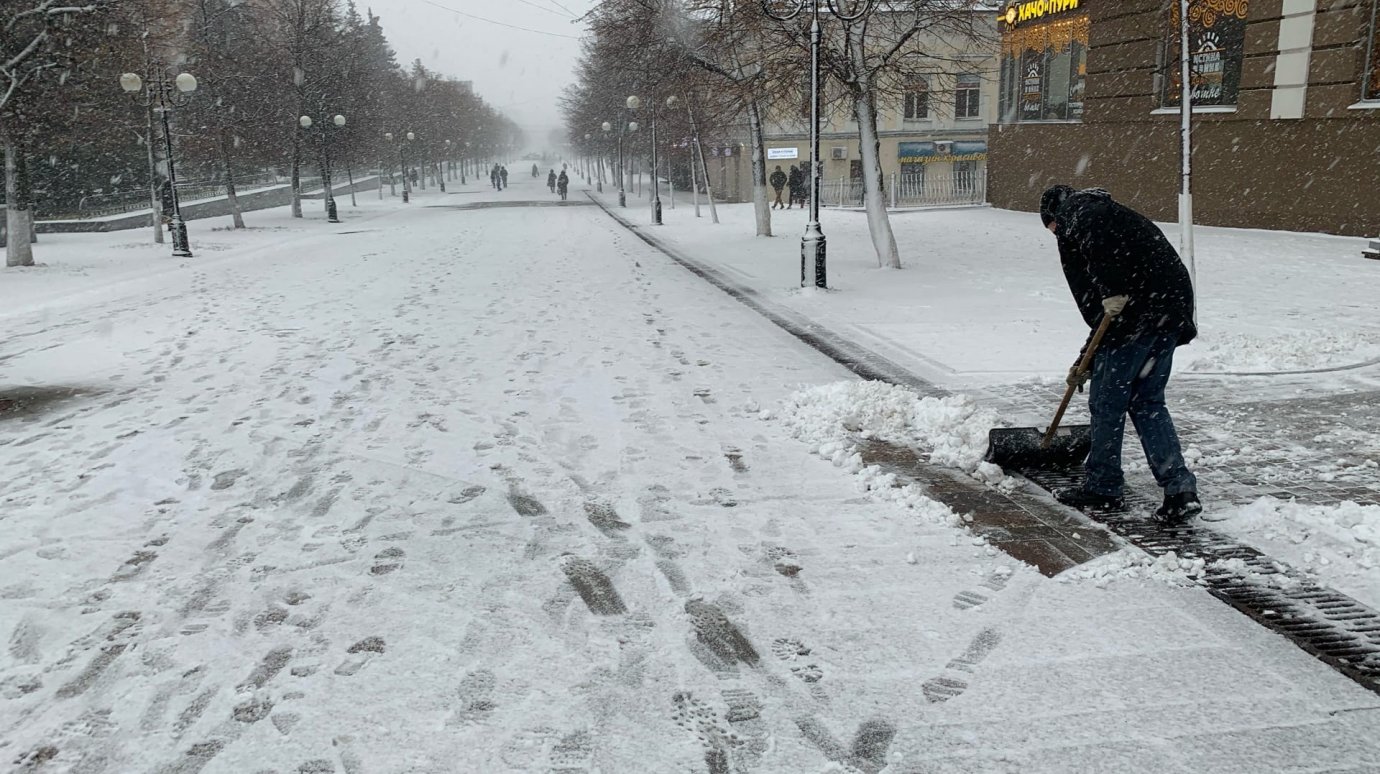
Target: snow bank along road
[(489, 490)]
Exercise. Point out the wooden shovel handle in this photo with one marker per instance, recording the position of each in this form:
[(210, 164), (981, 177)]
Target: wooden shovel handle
[(1083, 366)]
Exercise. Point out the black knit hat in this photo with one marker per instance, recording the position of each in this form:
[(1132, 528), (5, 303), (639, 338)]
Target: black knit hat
[(1050, 202)]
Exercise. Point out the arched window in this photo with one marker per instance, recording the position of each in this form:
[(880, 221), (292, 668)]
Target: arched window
[(918, 99)]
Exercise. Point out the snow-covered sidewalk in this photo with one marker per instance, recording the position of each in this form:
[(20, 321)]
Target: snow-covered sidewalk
[(982, 308), (490, 490)]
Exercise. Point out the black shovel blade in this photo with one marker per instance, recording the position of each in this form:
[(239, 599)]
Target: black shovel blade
[(1014, 448)]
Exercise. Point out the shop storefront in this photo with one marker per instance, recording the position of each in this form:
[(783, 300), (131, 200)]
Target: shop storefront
[(1286, 108), (1044, 61)]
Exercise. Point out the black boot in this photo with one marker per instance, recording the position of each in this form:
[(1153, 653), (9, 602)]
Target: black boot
[(1179, 508), (1082, 499)]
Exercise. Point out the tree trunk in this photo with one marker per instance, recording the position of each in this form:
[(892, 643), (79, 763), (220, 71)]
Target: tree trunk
[(230, 194), (155, 205), (874, 198), (19, 249), (760, 204), (296, 174)]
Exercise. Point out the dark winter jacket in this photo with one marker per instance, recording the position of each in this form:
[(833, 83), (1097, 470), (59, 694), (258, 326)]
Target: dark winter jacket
[(778, 180), (797, 180), (562, 182), (1108, 249)]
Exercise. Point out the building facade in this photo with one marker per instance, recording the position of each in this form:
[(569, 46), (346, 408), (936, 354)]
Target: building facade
[(1286, 108), (932, 129)]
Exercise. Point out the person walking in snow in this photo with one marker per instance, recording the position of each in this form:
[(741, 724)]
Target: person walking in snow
[(563, 184), (535, 172), (551, 180), (503, 176), (778, 182), (493, 177), (796, 182), (1119, 264)]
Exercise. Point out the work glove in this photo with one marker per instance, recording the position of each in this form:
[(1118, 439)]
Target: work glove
[(1077, 378), (1114, 305)]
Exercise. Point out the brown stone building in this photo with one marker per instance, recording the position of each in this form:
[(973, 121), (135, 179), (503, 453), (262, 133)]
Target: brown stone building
[(1286, 108)]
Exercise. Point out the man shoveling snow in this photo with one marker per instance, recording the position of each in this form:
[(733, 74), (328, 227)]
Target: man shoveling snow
[(1118, 263)]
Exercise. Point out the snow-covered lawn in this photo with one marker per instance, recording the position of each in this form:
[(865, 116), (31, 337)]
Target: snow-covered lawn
[(492, 490), (982, 299)]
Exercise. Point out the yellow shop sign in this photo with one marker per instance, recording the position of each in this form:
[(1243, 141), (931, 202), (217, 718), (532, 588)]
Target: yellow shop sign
[(1028, 10)]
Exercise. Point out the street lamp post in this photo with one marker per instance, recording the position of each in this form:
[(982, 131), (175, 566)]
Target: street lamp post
[(635, 103), (812, 244), (588, 178), (168, 94), (445, 161), (606, 127), (339, 122)]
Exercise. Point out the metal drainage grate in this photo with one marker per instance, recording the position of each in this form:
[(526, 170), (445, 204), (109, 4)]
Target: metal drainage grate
[(1333, 627)]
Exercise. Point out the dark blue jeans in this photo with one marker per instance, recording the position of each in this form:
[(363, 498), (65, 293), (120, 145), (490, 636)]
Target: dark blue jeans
[(1130, 379)]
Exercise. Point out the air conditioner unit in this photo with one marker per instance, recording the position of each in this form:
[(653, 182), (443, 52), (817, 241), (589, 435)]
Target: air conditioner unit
[(839, 153), (944, 148)]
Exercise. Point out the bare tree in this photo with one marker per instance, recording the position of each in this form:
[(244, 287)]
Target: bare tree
[(33, 43), (871, 49)]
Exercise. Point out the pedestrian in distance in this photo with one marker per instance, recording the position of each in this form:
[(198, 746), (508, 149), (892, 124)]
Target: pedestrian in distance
[(563, 184), (778, 182), (1119, 264), (493, 177), (551, 180), (535, 172), (503, 177), (794, 182)]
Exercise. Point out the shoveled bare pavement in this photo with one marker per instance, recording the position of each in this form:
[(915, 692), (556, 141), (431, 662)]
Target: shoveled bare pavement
[(489, 490)]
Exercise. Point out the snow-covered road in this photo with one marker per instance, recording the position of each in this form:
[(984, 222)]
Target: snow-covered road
[(458, 489)]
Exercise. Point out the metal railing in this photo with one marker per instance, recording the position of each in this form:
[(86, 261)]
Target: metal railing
[(911, 190), (104, 205)]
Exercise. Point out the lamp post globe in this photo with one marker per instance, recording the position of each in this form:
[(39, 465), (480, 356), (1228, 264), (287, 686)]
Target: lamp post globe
[(672, 100), (131, 82), (305, 121), (339, 120), (411, 136), (186, 83), (632, 126), (608, 127), (634, 102)]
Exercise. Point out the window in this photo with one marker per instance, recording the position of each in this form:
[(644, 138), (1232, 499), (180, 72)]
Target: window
[(1044, 69), (1217, 43), (967, 96), (1372, 87), (918, 100)]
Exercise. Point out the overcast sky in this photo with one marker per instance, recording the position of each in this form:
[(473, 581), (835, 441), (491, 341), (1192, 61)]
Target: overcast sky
[(518, 71)]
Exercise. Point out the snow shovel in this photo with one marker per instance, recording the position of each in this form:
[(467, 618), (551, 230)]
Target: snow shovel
[(1030, 447)]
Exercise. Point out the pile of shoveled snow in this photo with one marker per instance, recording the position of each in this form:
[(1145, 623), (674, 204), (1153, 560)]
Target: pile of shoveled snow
[(832, 418), (1134, 564), (953, 430), (1339, 543)]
